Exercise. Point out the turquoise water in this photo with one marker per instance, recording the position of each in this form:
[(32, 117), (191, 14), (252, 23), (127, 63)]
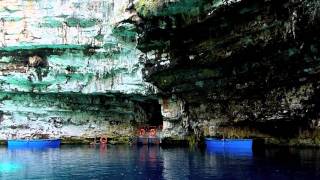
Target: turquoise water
[(132, 162)]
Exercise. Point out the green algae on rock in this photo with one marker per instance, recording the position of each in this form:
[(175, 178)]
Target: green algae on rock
[(66, 71)]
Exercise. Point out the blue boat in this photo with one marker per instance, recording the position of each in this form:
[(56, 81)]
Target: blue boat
[(34, 143), (234, 146), (229, 143)]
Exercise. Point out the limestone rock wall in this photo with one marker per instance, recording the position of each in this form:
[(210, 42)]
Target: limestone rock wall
[(77, 42), (68, 69)]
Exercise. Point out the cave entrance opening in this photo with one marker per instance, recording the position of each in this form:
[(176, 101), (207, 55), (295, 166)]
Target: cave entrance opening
[(153, 120)]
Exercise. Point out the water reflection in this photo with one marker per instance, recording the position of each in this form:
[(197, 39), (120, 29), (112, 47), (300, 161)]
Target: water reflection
[(6, 167), (287, 163), (154, 162), (231, 152)]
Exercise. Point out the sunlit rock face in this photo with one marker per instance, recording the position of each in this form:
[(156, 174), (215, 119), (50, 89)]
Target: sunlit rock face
[(233, 63), (76, 41), (68, 68)]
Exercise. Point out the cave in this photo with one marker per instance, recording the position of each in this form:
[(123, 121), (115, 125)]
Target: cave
[(159, 89)]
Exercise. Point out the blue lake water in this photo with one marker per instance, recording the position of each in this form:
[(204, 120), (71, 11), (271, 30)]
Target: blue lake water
[(153, 162)]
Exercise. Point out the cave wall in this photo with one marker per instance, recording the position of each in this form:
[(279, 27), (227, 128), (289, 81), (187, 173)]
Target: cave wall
[(68, 69), (247, 68), (239, 63), (72, 115)]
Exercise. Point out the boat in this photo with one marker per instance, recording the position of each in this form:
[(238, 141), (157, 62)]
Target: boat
[(229, 143), (34, 143), (233, 146)]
